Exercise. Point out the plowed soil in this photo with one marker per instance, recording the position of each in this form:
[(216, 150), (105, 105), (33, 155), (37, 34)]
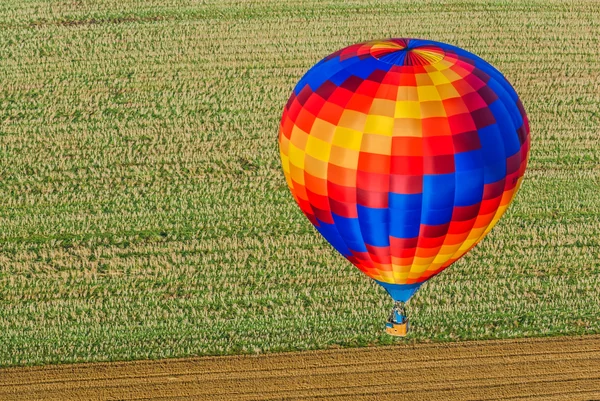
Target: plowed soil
[(566, 368)]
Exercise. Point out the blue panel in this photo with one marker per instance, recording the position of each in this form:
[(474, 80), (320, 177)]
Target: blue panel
[(374, 225), (438, 191), (405, 201), (469, 187), (400, 292), (433, 217), (404, 231), (330, 233), (349, 230), (356, 246), (492, 145), (339, 77), (371, 214), (376, 234), (508, 101), (467, 161), (506, 127), (367, 66), (323, 71), (495, 171), (404, 224)]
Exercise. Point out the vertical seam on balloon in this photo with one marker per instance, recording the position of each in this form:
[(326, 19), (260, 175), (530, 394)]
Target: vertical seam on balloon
[(379, 270), (389, 215), (453, 203), (356, 203), (290, 182), (458, 251), (412, 262), (499, 214), (331, 210)]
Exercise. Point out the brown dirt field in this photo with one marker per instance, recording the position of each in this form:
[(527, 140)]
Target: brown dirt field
[(563, 368)]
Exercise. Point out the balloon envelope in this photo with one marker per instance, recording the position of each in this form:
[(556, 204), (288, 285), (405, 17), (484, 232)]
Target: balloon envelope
[(403, 153)]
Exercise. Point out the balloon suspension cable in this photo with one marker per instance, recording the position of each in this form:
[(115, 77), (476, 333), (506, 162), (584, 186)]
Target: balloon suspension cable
[(399, 313), (397, 324)]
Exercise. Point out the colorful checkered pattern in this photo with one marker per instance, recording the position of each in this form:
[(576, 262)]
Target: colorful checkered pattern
[(403, 153)]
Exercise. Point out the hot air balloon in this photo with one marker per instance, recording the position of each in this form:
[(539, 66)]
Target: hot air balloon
[(404, 154)]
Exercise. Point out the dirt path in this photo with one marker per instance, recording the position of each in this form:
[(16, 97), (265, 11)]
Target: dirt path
[(544, 369)]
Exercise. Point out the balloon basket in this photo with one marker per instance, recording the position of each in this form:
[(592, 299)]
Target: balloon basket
[(397, 324), (397, 329)]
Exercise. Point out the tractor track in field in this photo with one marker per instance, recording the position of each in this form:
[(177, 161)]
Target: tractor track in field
[(557, 368)]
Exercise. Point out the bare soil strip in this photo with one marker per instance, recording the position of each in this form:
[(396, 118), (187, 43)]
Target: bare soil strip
[(563, 368)]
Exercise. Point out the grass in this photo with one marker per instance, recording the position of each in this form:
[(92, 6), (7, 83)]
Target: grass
[(144, 213)]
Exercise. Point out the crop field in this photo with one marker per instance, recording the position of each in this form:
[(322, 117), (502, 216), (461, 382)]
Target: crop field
[(543, 369), (144, 213)]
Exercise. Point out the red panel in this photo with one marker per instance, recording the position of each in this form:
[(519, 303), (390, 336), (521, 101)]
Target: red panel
[(435, 126), (343, 209), (331, 113), (403, 243), (372, 199), (443, 164), (305, 120), (464, 213), (407, 165), (407, 146), (372, 181), (374, 163), (494, 189), (406, 184), (360, 103), (438, 145), (432, 232), (460, 123), (341, 193), (466, 141)]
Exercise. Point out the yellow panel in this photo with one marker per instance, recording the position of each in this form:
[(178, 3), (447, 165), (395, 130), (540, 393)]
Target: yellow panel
[(428, 93), (423, 79), (420, 264), (434, 266), (342, 157), (347, 138), (378, 144), (449, 250), (407, 94), (467, 244), (443, 65), (298, 138), (283, 144), (323, 130), (387, 275), (447, 91), (296, 156), (318, 148), (408, 127), (353, 119), (451, 75), (382, 107), (432, 109), (316, 168), (407, 109), (441, 259), (379, 125), (288, 179), (297, 174), (438, 78), (400, 276), (285, 162)]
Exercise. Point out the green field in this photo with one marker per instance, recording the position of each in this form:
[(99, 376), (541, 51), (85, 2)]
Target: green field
[(144, 213)]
